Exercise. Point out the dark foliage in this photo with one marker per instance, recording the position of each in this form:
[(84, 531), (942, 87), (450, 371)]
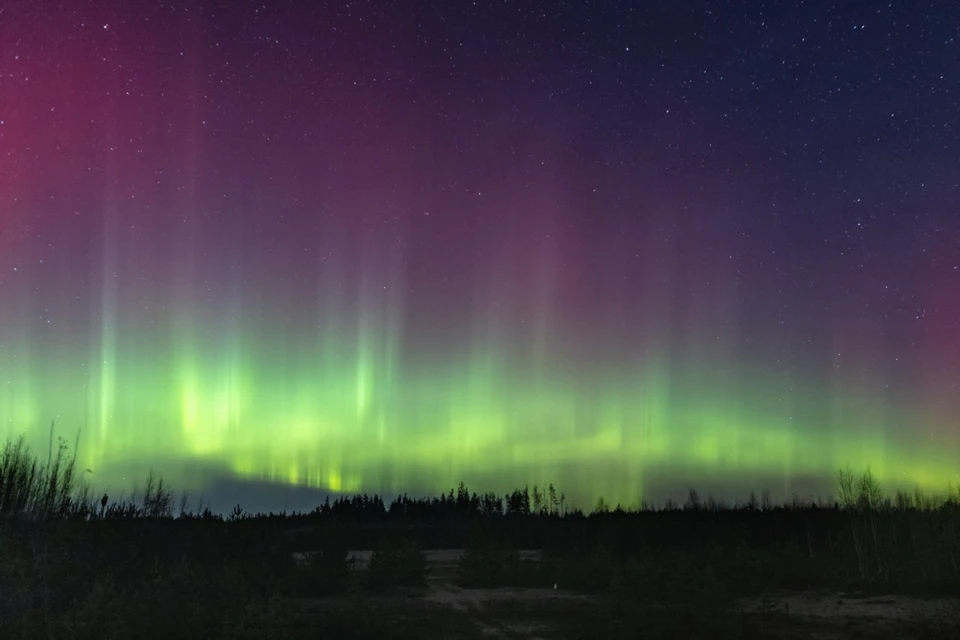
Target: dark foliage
[(396, 564)]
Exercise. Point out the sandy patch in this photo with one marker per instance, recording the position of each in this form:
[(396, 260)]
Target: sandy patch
[(850, 606)]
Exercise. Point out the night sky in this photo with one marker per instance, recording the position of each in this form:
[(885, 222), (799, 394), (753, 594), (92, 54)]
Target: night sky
[(624, 247)]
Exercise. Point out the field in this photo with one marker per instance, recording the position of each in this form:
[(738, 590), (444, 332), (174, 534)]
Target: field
[(546, 612), (463, 565)]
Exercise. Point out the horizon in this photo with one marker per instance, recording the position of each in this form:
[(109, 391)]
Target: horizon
[(279, 252), (267, 498)]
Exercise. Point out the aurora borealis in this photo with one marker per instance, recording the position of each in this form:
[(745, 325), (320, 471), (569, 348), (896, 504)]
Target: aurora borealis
[(626, 248)]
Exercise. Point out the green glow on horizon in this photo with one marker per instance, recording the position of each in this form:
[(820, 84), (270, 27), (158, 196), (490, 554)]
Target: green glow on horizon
[(237, 388), (245, 413)]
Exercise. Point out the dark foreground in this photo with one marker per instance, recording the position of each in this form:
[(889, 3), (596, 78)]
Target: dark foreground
[(690, 574), (467, 566), (444, 609)]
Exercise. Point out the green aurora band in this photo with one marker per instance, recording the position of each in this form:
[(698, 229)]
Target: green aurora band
[(342, 415)]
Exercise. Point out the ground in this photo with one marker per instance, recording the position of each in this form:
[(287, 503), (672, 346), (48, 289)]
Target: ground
[(560, 613)]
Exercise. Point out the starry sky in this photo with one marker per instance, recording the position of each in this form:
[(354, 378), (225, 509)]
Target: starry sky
[(275, 250)]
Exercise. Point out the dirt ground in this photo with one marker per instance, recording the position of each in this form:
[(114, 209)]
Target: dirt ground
[(852, 606), (538, 613)]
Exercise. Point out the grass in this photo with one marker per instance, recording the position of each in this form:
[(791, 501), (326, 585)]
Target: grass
[(396, 564), (327, 571), (73, 566), (32, 490)]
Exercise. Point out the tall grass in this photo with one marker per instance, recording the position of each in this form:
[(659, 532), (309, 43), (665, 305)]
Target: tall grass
[(37, 491)]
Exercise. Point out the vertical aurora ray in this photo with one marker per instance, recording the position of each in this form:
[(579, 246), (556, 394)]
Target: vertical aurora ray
[(103, 365), (104, 359)]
